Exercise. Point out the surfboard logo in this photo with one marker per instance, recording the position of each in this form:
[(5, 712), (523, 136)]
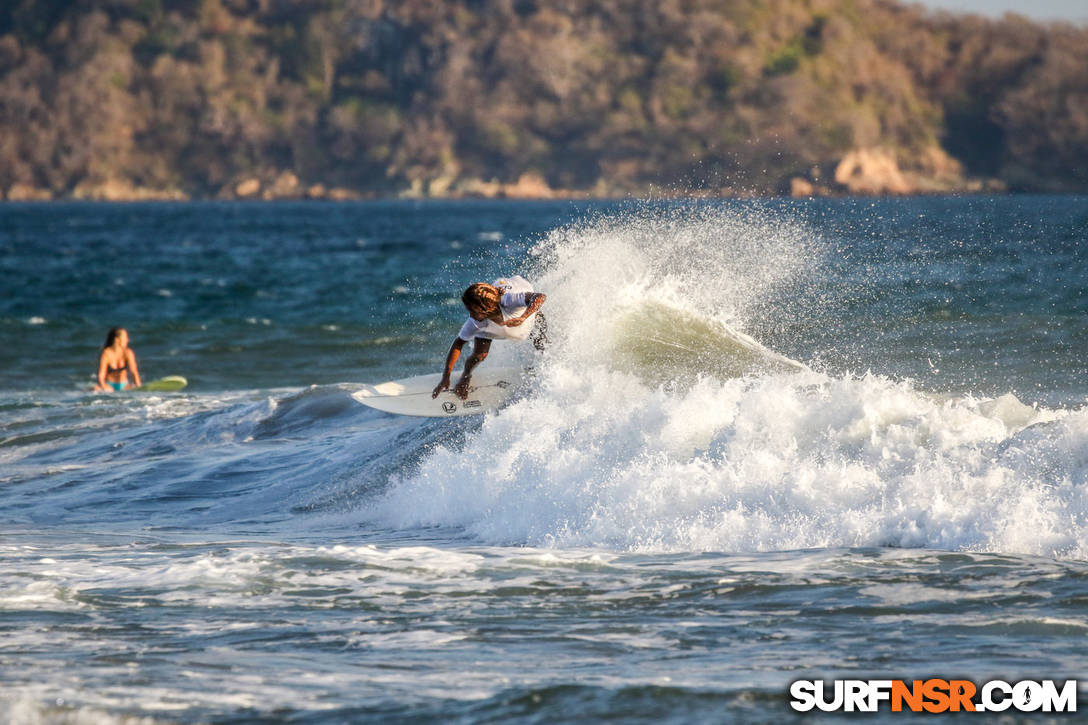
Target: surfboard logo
[(472, 404), (503, 384), (449, 407)]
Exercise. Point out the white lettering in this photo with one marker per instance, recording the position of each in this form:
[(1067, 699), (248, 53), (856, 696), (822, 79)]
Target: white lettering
[(879, 690), (988, 701), (855, 695), (834, 704), (1065, 701), (994, 696), (1027, 696), (804, 695)]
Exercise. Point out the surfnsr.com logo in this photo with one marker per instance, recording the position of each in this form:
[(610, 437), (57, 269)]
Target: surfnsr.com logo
[(933, 695)]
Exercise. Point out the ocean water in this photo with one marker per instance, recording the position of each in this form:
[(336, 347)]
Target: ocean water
[(769, 441)]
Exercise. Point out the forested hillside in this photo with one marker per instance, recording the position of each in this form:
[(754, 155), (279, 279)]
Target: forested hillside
[(339, 98)]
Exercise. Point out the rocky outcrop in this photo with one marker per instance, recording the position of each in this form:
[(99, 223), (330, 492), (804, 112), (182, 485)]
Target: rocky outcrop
[(342, 194), (882, 171), (872, 171), (284, 186), (801, 188), (121, 190), (530, 185), (25, 192), (935, 172), (247, 188)]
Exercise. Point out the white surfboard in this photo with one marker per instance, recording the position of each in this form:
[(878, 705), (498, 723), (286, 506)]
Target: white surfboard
[(412, 396)]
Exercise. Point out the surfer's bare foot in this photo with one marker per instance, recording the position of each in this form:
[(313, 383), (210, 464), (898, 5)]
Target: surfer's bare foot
[(462, 388), (444, 385)]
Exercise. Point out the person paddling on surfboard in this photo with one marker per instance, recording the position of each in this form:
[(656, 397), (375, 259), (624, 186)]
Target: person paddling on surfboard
[(115, 362), (505, 310)]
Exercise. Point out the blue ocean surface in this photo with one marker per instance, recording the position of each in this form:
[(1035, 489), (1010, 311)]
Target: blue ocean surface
[(768, 441)]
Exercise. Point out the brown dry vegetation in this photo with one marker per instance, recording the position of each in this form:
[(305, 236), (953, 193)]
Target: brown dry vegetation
[(274, 98)]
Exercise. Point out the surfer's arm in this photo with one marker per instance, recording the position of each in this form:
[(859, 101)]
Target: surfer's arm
[(533, 302), (102, 373), (131, 359), (451, 360)]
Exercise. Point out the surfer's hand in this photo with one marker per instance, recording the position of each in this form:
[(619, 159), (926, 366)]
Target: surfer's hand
[(444, 385), (462, 387), (513, 322)]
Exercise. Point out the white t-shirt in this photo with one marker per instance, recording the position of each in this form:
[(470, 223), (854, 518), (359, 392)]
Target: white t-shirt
[(512, 304)]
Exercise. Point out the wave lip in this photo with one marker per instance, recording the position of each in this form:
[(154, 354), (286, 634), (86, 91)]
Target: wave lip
[(664, 344)]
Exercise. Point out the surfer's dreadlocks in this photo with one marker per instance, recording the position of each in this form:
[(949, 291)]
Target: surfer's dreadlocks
[(482, 299)]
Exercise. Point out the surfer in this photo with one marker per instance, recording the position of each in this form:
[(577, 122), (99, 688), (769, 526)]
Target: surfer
[(498, 311), (115, 362)]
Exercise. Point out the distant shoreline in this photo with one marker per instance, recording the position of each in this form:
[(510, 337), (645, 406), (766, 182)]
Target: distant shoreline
[(563, 198), (162, 101)]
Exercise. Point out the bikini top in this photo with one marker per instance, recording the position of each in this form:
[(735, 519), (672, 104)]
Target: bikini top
[(110, 370)]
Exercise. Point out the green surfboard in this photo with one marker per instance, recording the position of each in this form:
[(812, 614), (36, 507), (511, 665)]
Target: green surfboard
[(165, 385)]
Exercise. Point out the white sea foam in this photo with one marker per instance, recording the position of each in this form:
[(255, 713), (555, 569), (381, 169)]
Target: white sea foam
[(28, 710), (717, 443)]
